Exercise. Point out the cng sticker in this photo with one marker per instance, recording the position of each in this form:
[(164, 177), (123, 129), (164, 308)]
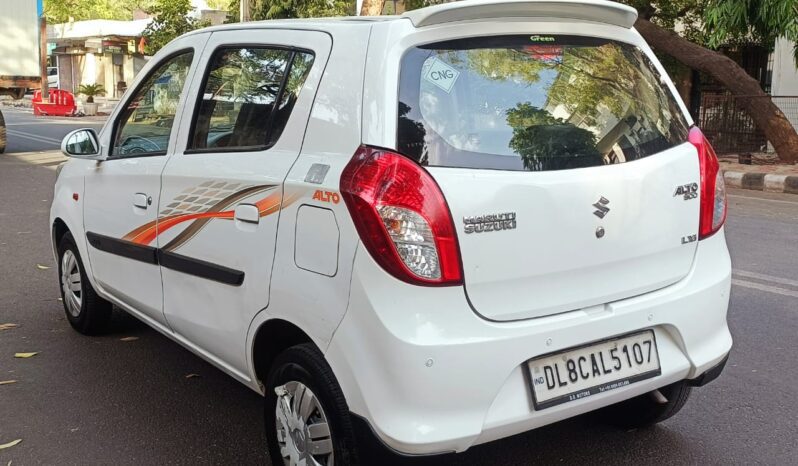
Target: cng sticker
[(440, 74)]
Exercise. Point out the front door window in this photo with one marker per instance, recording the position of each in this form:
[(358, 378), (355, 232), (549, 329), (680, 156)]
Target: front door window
[(145, 125)]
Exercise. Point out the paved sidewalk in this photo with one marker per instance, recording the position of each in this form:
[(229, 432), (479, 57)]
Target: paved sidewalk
[(771, 178), (50, 158)]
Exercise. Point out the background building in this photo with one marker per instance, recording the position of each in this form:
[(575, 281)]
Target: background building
[(97, 52)]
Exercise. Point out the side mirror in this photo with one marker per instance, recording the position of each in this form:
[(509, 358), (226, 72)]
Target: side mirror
[(82, 144)]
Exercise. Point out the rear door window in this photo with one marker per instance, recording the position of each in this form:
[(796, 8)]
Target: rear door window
[(247, 98), (533, 103)]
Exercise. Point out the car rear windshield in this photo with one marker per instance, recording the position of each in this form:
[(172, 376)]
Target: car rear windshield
[(533, 103)]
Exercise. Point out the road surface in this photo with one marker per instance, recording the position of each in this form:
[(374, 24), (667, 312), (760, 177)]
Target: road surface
[(28, 133)]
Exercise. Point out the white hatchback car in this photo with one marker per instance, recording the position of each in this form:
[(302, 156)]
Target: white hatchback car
[(440, 228)]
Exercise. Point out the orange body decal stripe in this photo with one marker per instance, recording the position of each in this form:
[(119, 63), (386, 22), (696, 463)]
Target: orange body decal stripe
[(147, 233)]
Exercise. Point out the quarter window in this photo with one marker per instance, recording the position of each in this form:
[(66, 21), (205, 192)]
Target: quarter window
[(247, 98), (145, 125)]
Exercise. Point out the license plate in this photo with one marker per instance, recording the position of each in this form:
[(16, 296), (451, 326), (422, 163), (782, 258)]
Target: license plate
[(581, 372)]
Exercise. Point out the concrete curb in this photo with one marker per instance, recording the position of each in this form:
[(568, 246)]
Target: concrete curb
[(770, 182)]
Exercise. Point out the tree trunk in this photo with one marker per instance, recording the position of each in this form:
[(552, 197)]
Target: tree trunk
[(683, 80), (757, 103), (372, 7), (43, 59)]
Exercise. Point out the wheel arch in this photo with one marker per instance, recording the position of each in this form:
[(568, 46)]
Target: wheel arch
[(271, 338), (59, 229), (60, 226)]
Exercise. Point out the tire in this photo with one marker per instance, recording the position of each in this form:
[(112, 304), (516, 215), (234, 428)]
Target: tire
[(644, 410), (3, 135), (304, 366), (87, 312)]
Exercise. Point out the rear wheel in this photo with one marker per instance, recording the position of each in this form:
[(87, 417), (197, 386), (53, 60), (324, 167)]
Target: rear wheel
[(648, 409), (2, 133), (87, 312), (306, 415)]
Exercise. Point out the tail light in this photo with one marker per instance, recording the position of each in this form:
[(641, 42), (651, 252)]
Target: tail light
[(402, 217), (713, 189)]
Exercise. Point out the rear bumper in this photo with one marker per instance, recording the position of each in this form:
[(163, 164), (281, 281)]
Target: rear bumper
[(710, 374), (430, 376)]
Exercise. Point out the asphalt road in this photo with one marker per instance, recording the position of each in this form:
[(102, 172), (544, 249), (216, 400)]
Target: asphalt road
[(28, 133), (101, 400)]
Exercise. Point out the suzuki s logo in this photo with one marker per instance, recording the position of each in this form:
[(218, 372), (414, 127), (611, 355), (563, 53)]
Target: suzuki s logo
[(601, 207)]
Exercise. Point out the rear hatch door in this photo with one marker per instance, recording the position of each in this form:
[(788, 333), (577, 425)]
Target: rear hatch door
[(564, 163)]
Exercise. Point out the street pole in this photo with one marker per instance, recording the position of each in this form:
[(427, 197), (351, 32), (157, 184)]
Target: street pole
[(245, 11), (43, 54)]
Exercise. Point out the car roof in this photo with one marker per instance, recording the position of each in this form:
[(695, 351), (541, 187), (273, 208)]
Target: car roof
[(302, 23), (601, 11)]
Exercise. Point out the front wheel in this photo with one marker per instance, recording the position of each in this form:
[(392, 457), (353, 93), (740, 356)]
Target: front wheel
[(306, 415), (86, 311)]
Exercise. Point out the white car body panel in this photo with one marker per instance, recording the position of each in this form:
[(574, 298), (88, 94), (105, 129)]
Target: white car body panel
[(191, 303), (474, 390), (553, 262), (109, 211), (427, 372), (111, 190), (320, 302)]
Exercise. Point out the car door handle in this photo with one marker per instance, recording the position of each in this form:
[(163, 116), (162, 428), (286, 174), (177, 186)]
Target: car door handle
[(247, 213), (141, 200)]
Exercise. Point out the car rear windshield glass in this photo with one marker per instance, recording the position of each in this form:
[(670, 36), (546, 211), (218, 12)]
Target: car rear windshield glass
[(533, 103)]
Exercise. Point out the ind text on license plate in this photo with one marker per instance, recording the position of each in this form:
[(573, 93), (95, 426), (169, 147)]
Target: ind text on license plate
[(580, 372)]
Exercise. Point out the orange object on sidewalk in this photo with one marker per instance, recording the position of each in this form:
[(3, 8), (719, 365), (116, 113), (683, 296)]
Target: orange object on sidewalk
[(60, 103)]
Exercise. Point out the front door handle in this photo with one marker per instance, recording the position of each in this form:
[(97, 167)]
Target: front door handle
[(141, 200), (247, 213)]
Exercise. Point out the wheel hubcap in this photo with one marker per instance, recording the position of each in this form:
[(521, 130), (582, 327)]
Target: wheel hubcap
[(303, 432), (70, 283)]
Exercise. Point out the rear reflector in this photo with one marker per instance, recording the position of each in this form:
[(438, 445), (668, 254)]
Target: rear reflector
[(402, 217), (713, 188)]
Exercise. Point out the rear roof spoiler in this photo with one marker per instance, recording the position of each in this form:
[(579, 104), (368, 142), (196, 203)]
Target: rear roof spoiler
[(587, 10)]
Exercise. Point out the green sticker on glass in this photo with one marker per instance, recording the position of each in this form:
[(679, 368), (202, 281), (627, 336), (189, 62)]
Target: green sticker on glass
[(537, 38)]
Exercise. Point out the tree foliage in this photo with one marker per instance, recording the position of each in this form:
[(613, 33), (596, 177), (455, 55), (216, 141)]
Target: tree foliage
[(685, 15), (60, 11), (764, 21), (280, 9), (171, 20), (223, 5), (714, 23)]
